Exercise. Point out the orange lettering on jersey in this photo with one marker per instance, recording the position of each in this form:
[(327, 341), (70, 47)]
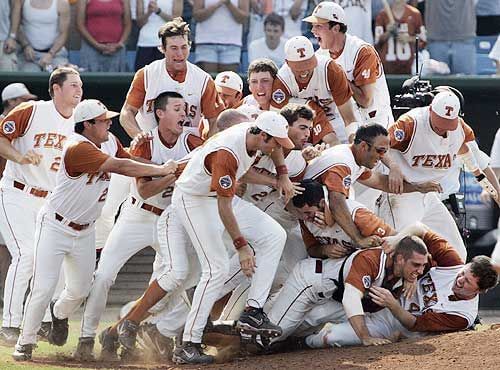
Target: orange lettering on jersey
[(326, 240), (429, 160), (190, 110), (430, 297), (432, 161), (99, 176), (444, 161), (417, 159), (49, 140), (38, 138)]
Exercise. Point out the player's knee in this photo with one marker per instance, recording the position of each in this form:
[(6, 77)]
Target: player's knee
[(103, 279), (172, 281)]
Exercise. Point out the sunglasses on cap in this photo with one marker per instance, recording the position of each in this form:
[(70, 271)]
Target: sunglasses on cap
[(378, 150)]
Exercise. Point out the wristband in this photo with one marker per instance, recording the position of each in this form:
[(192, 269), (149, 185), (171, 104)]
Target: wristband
[(480, 177), (158, 11), (239, 242), (282, 170)]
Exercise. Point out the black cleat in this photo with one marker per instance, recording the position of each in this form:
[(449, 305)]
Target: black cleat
[(127, 333), (84, 349), (23, 352), (58, 335), (151, 341), (109, 346), (255, 321), (9, 336), (191, 353), (43, 333)]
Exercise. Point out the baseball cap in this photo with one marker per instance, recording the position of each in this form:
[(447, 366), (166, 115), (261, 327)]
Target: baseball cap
[(276, 125), (229, 79), (444, 110), (299, 53), (16, 90), (91, 108), (325, 12)]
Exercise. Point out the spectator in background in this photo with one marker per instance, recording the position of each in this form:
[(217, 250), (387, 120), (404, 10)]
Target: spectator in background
[(451, 29), (219, 32), (151, 15), (272, 46), (105, 27), (43, 34), (395, 37), (359, 14), (292, 11), (259, 9), (9, 25), (495, 54), (488, 17)]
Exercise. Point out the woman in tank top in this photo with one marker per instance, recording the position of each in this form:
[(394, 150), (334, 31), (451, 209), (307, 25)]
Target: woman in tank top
[(105, 26)]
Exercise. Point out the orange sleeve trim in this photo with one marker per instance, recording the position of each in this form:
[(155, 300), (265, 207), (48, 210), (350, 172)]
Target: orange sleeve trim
[(435, 321), (321, 124), (365, 175), (338, 83), (211, 104), (307, 236), (83, 157), (469, 133), (338, 178), (17, 122), (364, 269), (223, 166), (401, 133), (137, 92), (142, 151), (369, 224), (194, 142), (368, 66), (442, 252)]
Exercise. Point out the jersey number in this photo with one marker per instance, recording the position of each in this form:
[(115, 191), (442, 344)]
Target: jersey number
[(55, 165), (397, 50), (102, 198)]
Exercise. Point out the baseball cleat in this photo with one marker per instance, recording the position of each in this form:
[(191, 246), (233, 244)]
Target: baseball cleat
[(43, 333), (9, 336), (109, 346), (58, 335), (191, 353), (222, 327), (23, 352), (150, 340), (84, 349), (127, 332), (255, 321)]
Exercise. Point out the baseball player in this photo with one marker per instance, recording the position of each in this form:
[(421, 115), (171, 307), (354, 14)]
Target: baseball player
[(204, 201), (359, 60), (229, 86), (13, 95), (446, 299), (31, 139), (314, 77), (136, 225), (65, 225), (343, 165), (425, 143), (177, 271)]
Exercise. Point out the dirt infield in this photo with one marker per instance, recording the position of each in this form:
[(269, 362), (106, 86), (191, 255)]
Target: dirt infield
[(464, 350)]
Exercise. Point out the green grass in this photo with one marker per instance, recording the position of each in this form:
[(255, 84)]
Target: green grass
[(48, 352)]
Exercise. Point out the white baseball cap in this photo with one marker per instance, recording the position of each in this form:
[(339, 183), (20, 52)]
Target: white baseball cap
[(16, 90), (444, 110), (91, 108), (230, 80), (276, 125), (325, 12), (299, 53)]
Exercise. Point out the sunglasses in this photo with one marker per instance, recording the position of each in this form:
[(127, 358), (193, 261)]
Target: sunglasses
[(378, 150)]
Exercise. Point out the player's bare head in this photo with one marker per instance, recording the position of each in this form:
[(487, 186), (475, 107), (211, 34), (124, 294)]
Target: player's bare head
[(230, 117), (261, 75), (262, 65), (169, 108), (311, 200), (410, 258), (300, 118), (371, 142), (59, 76), (174, 28), (483, 269)]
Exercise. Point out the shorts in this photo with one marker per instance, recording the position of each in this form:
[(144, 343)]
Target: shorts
[(218, 53)]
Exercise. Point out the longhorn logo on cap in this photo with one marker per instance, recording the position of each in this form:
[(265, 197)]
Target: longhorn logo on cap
[(448, 110), (302, 52)]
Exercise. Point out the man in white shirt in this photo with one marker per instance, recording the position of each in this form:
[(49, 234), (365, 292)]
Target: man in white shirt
[(271, 46)]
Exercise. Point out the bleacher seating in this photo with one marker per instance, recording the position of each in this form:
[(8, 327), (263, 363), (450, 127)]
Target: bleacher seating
[(484, 65)]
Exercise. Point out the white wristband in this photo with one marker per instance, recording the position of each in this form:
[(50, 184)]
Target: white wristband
[(351, 128)]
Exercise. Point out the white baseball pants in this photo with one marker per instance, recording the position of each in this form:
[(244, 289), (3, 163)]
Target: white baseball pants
[(134, 230), (57, 245), (401, 210), (200, 217)]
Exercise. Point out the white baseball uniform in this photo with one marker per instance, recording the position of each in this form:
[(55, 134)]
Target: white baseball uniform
[(495, 163), (313, 281), (423, 155), (194, 201), (135, 228), (65, 234), (40, 127)]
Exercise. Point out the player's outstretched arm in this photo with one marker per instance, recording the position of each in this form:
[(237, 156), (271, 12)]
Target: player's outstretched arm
[(129, 167)]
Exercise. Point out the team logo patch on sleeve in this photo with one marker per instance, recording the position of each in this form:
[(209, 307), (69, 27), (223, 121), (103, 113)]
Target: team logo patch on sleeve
[(8, 127), (399, 135), (367, 281), (278, 96), (225, 182), (347, 181)]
